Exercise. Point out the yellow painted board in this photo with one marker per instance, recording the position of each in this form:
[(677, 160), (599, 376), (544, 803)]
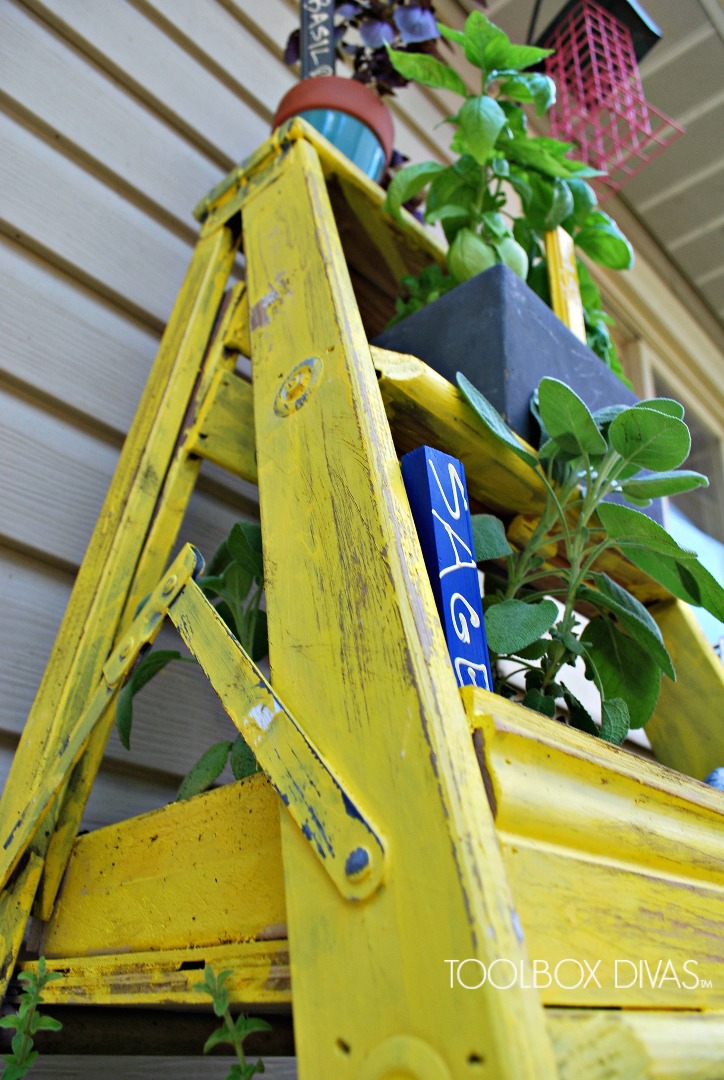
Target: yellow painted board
[(357, 651), (14, 906), (563, 280), (224, 430), (194, 873), (687, 728), (260, 975), (635, 1045), (105, 577), (424, 408), (616, 863)]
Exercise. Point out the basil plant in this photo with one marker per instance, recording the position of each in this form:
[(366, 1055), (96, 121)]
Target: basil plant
[(584, 458), (470, 198)]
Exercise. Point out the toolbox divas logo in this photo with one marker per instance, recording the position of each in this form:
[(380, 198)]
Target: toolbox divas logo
[(573, 974)]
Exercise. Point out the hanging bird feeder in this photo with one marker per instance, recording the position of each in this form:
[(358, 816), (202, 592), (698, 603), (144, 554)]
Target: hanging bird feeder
[(601, 105)]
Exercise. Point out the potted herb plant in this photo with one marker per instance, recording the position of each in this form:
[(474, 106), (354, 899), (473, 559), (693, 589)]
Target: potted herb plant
[(496, 266), (584, 458), (351, 112)]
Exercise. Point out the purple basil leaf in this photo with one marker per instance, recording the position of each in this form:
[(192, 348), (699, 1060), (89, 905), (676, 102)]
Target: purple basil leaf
[(348, 11), (375, 32), (415, 24), (291, 53)]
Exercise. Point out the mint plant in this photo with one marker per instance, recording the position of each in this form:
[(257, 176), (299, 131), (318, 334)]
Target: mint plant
[(497, 156), (27, 1022), (234, 582), (232, 1032), (584, 458)]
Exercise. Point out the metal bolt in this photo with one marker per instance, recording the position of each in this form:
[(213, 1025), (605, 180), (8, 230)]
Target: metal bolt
[(358, 864)]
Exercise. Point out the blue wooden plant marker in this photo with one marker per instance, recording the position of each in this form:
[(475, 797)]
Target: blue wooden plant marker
[(438, 495), (317, 49)]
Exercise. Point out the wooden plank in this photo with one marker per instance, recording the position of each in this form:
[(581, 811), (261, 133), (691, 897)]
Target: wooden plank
[(170, 81), (686, 730), (633, 1045), (89, 114), (192, 874), (74, 1067), (340, 547), (260, 976), (616, 863), (51, 202)]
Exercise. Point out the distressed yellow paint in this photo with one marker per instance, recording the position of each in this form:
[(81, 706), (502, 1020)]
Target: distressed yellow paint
[(687, 728), (563, 280), (637, 1045), (333, 823), (260, 975), (423, 407), (357, 650), (14, 906), (224, 429), (610, 857), (192, 874)]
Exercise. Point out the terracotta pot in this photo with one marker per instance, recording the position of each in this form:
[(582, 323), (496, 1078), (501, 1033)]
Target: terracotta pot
[(348, 113)]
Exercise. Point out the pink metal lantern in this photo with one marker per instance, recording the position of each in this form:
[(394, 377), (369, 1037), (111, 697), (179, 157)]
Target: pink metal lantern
[(601, 105)]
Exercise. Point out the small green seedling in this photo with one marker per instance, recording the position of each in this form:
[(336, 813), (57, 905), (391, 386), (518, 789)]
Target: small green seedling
[(231, 1031), (27, 1021)]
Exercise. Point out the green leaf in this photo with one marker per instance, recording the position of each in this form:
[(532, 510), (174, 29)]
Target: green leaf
[(626, 670), (478, 33), (148, 666), (245, 1025), (650, 439), (584, 200), (578, 715), (650, 547), (548, 156), (603, 241), (469, 255), (667, 483), (242, 759), (47, 1023), (664, 405), (614, 721), (427, 70), (489, 538), (407, 183), (538, 89), (549, 203), (514, 256), (567, 419), (216, 1038), (209, 766), (494, 421), (244, 544), (513, 624), (451, 35), (590, 296), (480, 120), (538, 701), (458, 184), (632, 615)]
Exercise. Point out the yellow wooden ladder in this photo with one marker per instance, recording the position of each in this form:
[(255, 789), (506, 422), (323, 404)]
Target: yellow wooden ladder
[(415, 858)]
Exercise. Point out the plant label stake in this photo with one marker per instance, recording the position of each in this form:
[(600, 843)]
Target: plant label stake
[(317, 44), (438, 495)]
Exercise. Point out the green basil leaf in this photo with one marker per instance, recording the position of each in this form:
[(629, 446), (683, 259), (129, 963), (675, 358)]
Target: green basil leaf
[(584, 200), (567, 419), (244, 543), (538, 89), (548, 156), (478, 33), (480, 120), (605, 244), (513, 624), (407, 183), (427, 70), (469, 255), (650, 439), (494, 421)]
